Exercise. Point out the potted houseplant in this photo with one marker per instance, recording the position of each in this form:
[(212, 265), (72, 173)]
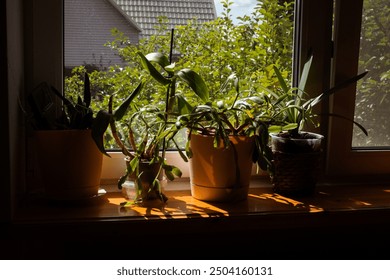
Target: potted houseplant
[(228, 125), (148, 130), (68, 158), (143, 147), (296, 153), (224, 139)]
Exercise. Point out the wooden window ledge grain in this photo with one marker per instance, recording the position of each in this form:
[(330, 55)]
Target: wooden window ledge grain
[(340, 222), (261, 203)]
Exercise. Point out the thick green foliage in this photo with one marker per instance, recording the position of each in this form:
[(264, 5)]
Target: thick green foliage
[(214, 50)]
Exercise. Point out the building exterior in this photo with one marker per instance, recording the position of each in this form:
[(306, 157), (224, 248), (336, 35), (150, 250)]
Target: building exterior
[(146, 12), (88, 25)]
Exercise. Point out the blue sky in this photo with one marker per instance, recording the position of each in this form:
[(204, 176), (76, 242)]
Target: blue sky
[(239, 7)]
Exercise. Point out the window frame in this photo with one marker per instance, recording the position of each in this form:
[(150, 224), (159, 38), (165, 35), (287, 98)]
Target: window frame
[(343, 162), (313, 33)]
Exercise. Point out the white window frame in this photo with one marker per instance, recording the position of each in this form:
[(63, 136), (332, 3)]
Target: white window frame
[(314, 34)]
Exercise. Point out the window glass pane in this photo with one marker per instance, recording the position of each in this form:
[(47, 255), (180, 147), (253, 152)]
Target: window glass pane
[(102, 38), (372, 108)]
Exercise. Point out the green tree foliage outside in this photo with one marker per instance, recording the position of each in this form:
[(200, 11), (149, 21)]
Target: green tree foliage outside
[(373, 95), (215, 49)]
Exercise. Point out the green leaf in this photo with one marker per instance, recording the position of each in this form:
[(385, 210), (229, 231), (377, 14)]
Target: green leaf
[(290, 126), (159, 58), (348, 119), (121, 110), (339, 86), (282, 82), (69, 105), (183, 156), (99, 127), (304, 75), (153, 71), (171, 171), (169, 175), (133, 164), (279, 128), (183, 105), (195, 82), (87, 90), (170, 68), (188, 148)]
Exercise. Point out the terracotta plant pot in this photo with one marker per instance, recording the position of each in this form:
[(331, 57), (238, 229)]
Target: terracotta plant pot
[(296, 163), (69, 162), (218, 174)]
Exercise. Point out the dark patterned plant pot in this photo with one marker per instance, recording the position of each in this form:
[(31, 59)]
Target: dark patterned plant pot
[(296, 163)]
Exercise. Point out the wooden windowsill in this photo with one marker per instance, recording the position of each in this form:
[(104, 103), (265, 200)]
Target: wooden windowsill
[(331, 220), (181, 205)]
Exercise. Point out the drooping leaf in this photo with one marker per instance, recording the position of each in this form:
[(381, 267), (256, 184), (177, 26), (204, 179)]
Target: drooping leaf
[(171, 171), (195, 82), (353, 121), (182, 155), (153, 71), (183, 105), (336, 88), (159, 58)]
